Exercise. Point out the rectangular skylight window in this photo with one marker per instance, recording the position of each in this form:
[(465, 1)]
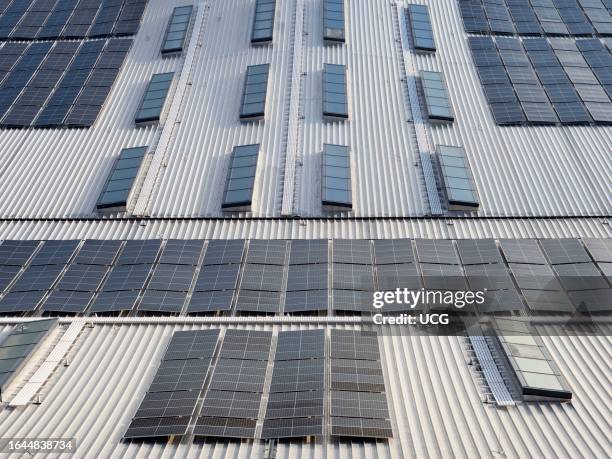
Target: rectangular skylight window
[(535, 371), (436, 97), (420, 27), (154, 98), (336, 178), (254, 97), (240, 181), (458, 181), (177, 29), (116, 192), (263, 24), (333, 21), (335, 103)]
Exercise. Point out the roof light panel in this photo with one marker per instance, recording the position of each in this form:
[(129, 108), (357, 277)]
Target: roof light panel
[(240, 181), (154, 98), (177, 29), (333, 21), (263, 23), (335, 103), (420, 27), (336, 177), (255, 88), (436, 96), (118, 187), (458, 181)]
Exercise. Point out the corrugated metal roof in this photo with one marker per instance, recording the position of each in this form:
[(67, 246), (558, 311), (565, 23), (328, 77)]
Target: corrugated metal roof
[(533, 171), (307, 229), (436, 405)]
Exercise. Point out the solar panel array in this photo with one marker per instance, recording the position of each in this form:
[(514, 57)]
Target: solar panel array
[(18, 345), (53, 84), (170, 402), (358, 399), (542, 81), (537, 17), (231, 404), (296, 277), (68, 19), (297, 390)]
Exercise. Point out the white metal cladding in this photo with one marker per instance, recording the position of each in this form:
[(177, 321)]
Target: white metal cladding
[(436, 406), (308, 229), (535, 171), (60, 172)]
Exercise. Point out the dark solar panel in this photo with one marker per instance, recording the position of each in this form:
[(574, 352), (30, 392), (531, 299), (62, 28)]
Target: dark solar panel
[(267, 252), (246, 344), (478, 251), (7, 274), (305, 301), (390, 277), (217, 277), (361, 427), (225, 427), (600, 249), (82, 278), (353, 277), (224, 251), (20, 301), (308, 252), (393, 251), (351, 251), (139, 251), (16, 253), (534, 277), (436, 251), (181, 252), (561, 251), (300, 344), (67, 302), (352, 300), (37, 278), (522, 251), (357, 345), (307, 277), (231, 404), (175, 278), (162, 301), (114, 301), (298, 375), (97, 252), (258, 301), (127, 277), (239, 376), (202, 302), (359, 404), (262, 277)]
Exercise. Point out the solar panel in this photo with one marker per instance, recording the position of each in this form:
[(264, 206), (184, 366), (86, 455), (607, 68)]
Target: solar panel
[(20, 301), (436, 251), (262, 277), (174, 392), (300, 344), (181, 252), (534, 277), (359, 404), (263, 22), (139, 252), (390, 277), (7, 274), (225, 251), (393, 251), (267, 252), (352, 277), (298, 375), (352, 300), (127, 277), (162, 301), (478, 251), (488, 277), (38, 278), (217, 277), (580, 276), (97, 252), (228, 404), (356, 345), (560, 251), (307, 277), (253, 106), (54, 252), (258, 301), (352, 251), (246, 344), (202, 302), (16, 253), (308, 252), (522, 251), (240, 180), (239, 376), (114, 301), (591, 300), (82, 278), (225, 427), (67, 301), (306, 301), (600, 249), (175, 278), (361, 427), (335, 102)]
